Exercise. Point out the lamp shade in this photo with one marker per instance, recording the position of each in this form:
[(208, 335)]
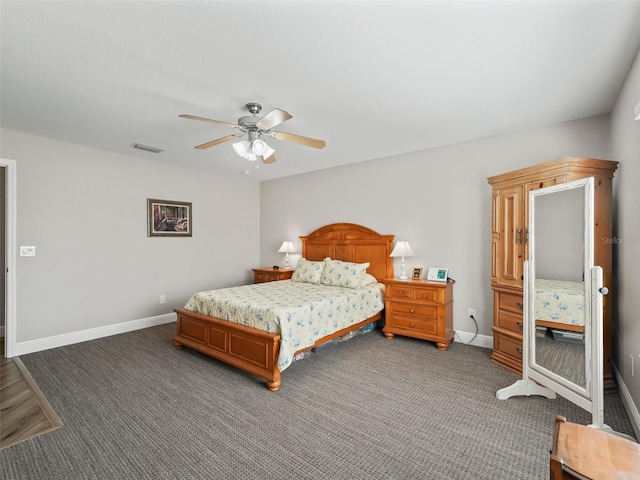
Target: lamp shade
[(243, 149), (402, 249), (287, 247)]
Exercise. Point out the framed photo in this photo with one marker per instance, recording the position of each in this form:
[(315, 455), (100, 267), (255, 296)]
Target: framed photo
[(417, 273), (166, 218)]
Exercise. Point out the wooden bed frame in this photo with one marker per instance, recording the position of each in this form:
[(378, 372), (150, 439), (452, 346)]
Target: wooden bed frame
[(560, 326), (256, 351)]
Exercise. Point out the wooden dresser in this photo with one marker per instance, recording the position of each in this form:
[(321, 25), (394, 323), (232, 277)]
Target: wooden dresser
[(419, 309), (261, 275), (509, 248)]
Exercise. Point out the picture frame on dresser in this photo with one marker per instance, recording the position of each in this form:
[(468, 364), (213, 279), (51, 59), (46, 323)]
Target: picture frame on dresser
[(417, 273), (169, 218)]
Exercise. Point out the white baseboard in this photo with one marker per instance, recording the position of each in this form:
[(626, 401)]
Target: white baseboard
[(629, 404), (483, 341), (31, 346)]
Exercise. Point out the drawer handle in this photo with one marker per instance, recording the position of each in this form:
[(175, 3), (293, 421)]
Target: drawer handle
[(400, 292), (412, 324), (520, 306), (519, 351), (521, 325), (424, 295), (412, 310)]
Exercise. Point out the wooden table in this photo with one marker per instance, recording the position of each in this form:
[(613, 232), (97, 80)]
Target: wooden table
[(584, 452)]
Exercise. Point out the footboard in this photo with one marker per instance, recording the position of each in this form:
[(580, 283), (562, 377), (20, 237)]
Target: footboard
[(252, 350)]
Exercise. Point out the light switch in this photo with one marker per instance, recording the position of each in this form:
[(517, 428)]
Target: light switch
[(27, 251)]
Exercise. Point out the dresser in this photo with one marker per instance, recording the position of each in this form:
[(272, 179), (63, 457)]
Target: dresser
[(509, 247), (262, 275), (419, 309)]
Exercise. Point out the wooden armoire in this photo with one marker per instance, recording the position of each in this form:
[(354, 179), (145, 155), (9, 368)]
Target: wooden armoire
[(509, 248)]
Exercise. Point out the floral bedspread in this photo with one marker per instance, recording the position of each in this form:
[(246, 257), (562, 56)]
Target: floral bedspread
[(560, 301), (300, 312)]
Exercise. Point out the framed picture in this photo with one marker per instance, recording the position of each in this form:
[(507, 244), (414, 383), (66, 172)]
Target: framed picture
[(417, 273), (166, 218)]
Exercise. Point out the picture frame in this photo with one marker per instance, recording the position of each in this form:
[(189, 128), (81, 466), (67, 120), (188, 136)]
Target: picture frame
[(417, 273), (169, 218)]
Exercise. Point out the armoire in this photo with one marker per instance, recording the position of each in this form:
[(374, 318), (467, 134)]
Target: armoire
[(509, 248)]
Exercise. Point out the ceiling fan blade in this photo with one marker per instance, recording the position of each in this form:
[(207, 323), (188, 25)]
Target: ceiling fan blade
[(202, 119), (270, 159), (300, 140), (213, 143), (273, 118)]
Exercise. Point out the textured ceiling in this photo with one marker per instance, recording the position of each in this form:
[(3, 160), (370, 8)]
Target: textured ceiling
[(372, 79)]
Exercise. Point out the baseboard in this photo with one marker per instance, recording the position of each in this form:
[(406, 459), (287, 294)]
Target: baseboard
[(32, 346), (629, 404), (483, 341)]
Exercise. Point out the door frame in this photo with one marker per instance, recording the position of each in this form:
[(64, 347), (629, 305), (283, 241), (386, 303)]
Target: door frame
[(10, 256)]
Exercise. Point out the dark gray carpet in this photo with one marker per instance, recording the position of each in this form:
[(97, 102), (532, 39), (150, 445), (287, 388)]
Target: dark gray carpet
[(134, 407)]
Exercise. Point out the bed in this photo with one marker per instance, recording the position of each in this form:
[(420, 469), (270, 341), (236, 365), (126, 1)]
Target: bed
[(560, 305), (235, 340)]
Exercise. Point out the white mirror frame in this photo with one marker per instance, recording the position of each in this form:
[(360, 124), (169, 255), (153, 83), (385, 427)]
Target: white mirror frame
[(537, 380)]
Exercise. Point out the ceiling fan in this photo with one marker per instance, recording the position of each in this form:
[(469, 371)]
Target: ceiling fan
[(255, 128)]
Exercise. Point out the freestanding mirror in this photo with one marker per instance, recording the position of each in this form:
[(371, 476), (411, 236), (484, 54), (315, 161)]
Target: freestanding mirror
[(562, 301)]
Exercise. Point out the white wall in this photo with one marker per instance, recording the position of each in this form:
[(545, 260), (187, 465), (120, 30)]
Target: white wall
[(85, 212), (438, 200), (625, 138)]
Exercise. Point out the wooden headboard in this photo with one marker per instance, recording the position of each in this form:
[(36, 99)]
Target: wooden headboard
[(350, 242)]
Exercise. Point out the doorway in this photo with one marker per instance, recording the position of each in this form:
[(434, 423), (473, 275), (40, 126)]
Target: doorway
[(8, 260)]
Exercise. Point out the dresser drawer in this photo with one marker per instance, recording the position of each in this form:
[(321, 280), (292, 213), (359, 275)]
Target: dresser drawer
[(510, 321), (401, 322), (415, 293), (510, 302), (408, 309), (264, 277), (508, 345)]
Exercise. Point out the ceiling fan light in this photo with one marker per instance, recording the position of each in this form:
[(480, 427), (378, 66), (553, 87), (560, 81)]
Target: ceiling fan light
[(259, 147), (270, 151), (242, 148)]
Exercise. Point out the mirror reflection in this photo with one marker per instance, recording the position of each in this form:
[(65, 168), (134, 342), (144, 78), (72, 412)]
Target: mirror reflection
[(559, 307)]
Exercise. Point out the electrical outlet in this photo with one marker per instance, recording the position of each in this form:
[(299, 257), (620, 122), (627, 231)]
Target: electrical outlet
[(163, 299), (472, 312)]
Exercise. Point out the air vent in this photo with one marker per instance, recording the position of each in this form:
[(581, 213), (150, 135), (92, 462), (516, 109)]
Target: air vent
[(147, 148)]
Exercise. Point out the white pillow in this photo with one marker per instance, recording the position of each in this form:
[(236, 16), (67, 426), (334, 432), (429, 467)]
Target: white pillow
[(368, 279), (307, 271), (343, 274)]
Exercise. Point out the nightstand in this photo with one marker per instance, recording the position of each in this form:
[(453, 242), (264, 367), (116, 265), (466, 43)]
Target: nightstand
[(261, 275), (419, 309)]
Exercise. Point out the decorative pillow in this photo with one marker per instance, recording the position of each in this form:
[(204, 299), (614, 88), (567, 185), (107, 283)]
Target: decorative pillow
[(307, 271), (368, 279), (343, 274)]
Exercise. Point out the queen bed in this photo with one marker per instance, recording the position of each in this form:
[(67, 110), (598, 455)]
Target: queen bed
[(261, 328), (560, 304)]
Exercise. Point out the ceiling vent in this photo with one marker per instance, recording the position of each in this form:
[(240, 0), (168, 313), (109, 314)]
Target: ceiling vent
[(147, 148)]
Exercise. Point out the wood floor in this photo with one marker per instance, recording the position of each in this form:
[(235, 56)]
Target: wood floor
[(24, 411)]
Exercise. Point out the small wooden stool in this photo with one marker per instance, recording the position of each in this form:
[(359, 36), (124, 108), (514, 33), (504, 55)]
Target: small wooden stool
[(588, 453)]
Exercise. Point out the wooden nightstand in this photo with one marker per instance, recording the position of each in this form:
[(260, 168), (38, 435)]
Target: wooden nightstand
[(419, 309), (261, 275)]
